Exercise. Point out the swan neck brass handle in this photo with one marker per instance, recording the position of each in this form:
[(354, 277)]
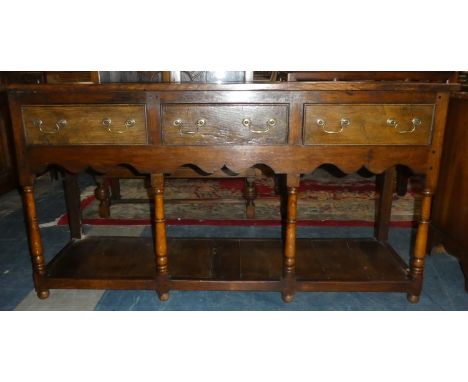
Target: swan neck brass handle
[(344, 122), (58, 125), (185, 130), (415, 122), (107, 123), (247, 122)]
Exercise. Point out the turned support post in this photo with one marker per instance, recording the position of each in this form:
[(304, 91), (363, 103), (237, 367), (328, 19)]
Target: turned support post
[(420, 246), (289, 263), (432, 175), (160, 241), (250, 194), (35, 243), (103, 195)]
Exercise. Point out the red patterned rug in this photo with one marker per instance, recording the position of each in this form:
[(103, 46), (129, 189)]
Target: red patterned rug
[(324, 200)]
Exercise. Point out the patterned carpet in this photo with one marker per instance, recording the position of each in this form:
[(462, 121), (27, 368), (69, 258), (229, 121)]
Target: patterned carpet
[(324, 199)]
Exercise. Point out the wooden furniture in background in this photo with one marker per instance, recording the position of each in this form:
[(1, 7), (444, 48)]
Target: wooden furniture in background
[(22, 78), (425, 77), (285, 265), (72, 77), (449, 226)]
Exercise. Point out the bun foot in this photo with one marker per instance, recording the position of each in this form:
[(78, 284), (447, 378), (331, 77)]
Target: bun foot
[(43, 294), (287, 297), (163, 296), (412, 298)]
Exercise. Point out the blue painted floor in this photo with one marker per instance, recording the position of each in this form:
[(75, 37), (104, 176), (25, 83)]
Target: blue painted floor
[(443, 284)]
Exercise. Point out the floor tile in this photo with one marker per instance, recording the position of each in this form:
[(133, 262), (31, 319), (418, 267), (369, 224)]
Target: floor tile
[(66, 299)]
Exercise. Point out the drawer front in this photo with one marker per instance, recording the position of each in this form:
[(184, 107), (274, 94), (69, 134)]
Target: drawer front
[(189, 124), (368, 124), (85, 124)]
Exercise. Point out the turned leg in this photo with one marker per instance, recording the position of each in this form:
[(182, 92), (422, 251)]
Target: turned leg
[(420, 246), (103, 195), (384, 205), (35, 243), (290, 242), (73, 202), (250, 194), (115, 188), (160, 243)]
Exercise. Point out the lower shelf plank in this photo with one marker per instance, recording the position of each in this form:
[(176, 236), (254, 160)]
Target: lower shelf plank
[(229, 264), (348, 260)]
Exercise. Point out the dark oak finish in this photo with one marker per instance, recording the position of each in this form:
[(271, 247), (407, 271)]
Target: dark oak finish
[(226, 264), (22, 78), (386, 186), (368, 124), (224, 124), (72, 77), (35, 243), (373, 76), (82, 124), (450, 209), (285, 265)]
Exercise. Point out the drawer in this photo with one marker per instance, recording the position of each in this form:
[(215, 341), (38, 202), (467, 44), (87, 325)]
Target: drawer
[(201, 124), (85, 124), (384, 124)]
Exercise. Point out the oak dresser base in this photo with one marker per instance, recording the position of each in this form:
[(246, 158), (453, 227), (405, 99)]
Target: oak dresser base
[(156, 129)]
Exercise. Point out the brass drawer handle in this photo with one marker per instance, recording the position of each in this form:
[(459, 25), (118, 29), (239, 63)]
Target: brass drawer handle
[(187, 131), (128, 124), (344, 122), (58, 125), (247, 122), (392, 122)]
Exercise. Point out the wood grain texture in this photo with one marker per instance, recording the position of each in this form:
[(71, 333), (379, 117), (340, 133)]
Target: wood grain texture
[(223, 124), (368, 124), (35, 243), (228, 264), (450, 208), (281, 159), (84, 124), (283, 86)]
